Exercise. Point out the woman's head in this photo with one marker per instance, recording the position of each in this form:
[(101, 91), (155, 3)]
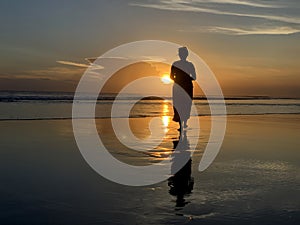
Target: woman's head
[(183, 53)]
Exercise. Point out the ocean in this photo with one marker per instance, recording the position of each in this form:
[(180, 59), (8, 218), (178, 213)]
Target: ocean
[(44, 179), (33, 105)]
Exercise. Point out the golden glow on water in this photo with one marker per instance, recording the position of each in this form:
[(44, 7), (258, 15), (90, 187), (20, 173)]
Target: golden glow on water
[(165, 109), (165, 118)]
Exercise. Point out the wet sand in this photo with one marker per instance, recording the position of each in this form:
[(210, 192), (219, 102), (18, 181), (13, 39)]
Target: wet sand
[(254, 179)]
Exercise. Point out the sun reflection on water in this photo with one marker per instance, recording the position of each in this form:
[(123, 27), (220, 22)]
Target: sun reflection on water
[(165, 118)]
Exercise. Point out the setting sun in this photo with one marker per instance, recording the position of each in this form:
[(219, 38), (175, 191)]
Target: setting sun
[(166, 79)]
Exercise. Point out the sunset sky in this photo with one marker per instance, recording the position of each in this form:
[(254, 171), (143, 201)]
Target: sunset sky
[(252, 46)]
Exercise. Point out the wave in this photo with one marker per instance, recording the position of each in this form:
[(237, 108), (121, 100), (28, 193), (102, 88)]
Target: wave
[(144, 101), (12, 96), (139, 116)]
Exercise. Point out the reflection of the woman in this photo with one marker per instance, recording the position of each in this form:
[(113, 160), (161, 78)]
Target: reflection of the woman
[(181, 183)]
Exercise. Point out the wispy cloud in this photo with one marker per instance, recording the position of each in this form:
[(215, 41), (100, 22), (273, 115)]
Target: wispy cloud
[(203, 7), (55, 72), (100, 59), (116, 59), (73, 63), (152, 58), (259, 4), (82, 65), (245, 31), (271, 31), (51, 73), (246, 3)]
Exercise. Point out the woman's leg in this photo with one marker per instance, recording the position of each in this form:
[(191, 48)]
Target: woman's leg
[(185, 124), (180, 125)]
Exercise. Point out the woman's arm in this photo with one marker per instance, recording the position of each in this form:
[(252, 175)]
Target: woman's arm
[(193, 72), (172, 74)]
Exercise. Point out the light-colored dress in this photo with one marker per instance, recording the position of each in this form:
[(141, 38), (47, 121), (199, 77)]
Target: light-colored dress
[(183, 73)]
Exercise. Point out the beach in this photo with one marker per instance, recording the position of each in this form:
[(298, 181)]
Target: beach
[(154, 112), (254, 179)]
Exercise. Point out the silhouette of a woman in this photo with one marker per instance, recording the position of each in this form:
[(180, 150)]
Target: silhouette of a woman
[(183, 73)]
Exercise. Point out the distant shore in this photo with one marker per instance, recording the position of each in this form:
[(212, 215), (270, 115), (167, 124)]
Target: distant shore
[(12, 96)]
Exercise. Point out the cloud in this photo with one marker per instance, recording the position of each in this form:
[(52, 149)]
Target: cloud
[(73, 63), (51, 73), (152, 59), (82, 65), (270, 31), (245, 31), (217, 7), (232, 2), (55, 73), (93, 59)]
